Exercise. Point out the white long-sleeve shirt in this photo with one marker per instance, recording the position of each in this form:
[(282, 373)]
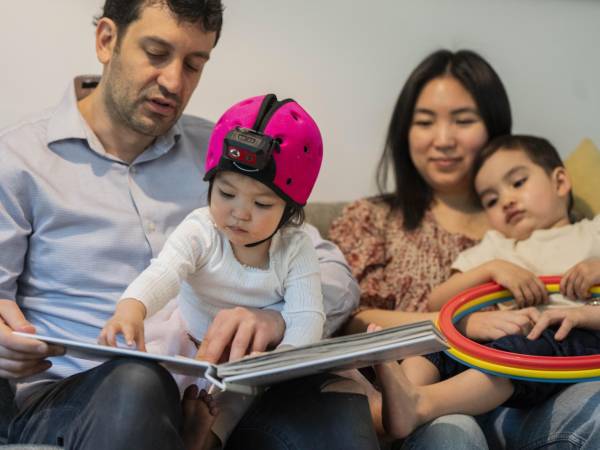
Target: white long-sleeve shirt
[(197, 262)]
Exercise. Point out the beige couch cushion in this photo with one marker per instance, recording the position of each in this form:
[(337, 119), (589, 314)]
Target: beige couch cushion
[(583, 166), (321, 214)]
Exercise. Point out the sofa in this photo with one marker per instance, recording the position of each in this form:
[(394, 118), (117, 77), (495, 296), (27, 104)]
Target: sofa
[(583, 166)]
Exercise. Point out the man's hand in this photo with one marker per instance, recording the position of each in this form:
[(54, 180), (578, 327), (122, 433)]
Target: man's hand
[(526, 288), (490, 325), (240, 331), (128, 319), (578, 280), (21, 357)]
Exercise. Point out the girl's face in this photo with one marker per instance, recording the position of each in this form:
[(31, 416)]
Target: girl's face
[(246, 210), (446, 133), (519, 196)]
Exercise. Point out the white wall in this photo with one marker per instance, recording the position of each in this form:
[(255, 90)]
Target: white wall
[(344, 60)]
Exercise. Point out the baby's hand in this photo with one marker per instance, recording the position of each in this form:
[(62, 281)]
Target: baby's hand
[(568, 318), (128, 320), (526, 288), (578, 280), (373, 327)]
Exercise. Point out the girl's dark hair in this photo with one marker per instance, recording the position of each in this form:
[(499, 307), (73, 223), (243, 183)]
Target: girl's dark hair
[(413, 196), (124, 12), (539, 150), (293, 215)]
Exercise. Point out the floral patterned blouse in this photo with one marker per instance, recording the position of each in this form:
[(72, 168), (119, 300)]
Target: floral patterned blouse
[(396, 269)]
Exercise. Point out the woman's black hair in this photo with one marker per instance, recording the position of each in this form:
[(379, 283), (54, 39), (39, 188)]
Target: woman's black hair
[(413, 196)]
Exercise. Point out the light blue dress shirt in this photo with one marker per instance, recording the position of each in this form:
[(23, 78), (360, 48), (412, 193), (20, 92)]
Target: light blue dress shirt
[(77, 224)]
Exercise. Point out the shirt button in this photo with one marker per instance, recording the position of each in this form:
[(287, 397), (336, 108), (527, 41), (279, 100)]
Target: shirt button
[(151, 226), (133, 170)]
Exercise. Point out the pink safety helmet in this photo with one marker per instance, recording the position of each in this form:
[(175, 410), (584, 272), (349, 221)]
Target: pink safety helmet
[(275, 142)]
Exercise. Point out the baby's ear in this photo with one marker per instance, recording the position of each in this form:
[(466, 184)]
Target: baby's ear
[(561, 180)]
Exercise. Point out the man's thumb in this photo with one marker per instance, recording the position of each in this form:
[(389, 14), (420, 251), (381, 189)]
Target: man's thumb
[(13, 317)]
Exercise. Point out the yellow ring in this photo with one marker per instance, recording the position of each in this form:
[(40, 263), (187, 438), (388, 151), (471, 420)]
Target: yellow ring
[(551, 288), (525, 373)]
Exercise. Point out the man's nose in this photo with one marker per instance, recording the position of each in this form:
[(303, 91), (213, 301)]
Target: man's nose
[(171, 77)]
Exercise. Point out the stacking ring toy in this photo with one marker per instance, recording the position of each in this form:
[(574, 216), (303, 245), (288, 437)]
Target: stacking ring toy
[(555, 369)]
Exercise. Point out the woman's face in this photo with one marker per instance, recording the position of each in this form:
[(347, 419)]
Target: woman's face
[(446, 133)]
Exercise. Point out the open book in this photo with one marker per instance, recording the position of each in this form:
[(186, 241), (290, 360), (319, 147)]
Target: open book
[(249, 374)]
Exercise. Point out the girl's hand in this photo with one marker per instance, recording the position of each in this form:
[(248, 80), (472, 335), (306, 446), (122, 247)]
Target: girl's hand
[(568, 318), (489, 325), (578, 280), (526, 288), (128, 320)]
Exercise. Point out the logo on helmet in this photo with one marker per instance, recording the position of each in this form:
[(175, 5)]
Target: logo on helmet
[(249, 148)]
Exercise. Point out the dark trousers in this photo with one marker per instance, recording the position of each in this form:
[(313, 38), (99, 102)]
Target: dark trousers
[(579, 342), (121, 404), (296, 415), (132, 404)]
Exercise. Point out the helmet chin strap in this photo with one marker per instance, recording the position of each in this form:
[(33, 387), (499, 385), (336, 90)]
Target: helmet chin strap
[(284, 218)]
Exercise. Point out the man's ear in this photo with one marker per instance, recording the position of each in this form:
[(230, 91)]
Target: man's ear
[(561, 180), (106, 39)]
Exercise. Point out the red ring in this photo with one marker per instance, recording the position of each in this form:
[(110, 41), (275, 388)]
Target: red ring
[(469, 347)]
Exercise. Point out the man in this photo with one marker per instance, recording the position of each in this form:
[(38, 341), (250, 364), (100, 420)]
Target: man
[(89, 192)]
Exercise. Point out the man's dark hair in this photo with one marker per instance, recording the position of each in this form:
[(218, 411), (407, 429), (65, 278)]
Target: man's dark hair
[(413, 196), (539, 150), (124, 12)]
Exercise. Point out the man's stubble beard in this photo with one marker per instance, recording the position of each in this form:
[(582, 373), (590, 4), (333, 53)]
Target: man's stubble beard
[(124, 106)]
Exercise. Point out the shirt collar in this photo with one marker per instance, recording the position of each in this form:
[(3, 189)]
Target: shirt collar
[(67, 122)]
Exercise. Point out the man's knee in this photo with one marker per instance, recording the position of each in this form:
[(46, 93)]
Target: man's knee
[(455, 431), (136, 402), (131, 384)]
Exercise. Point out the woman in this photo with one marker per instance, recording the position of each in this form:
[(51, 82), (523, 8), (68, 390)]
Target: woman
[(401, 244)]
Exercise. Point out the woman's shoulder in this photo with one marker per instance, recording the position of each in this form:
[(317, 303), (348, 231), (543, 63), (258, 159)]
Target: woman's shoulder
[(360, 219), (369, 209)]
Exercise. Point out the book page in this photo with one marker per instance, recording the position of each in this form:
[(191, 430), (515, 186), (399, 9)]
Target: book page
[(352, 351)]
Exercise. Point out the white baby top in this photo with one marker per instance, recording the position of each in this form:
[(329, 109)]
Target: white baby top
[(198, 258)]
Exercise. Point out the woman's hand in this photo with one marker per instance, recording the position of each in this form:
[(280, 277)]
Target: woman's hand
[(569, 318), (128, 319), (490, 325), (526, 288), (578, 280)]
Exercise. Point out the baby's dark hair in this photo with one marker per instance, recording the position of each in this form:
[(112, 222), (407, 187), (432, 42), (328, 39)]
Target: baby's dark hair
[(293, 215), (539, 150)]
